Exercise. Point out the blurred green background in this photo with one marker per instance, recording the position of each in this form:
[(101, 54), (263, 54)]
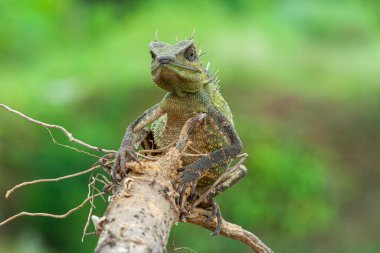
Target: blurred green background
[(301, 77)]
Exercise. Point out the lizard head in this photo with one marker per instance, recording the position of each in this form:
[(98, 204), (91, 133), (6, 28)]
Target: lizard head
[(176, 68)]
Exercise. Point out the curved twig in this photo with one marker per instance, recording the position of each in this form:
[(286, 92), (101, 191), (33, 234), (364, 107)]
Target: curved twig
[(67, 146), (9, 192), (67, 133), (58, 216)]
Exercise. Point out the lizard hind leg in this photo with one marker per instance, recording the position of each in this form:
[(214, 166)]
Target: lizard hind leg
[(215, 212), (233, 177), (211, 204), (237, 173)]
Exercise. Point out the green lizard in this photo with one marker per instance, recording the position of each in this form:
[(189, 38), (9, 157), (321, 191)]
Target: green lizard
[(191, 90)]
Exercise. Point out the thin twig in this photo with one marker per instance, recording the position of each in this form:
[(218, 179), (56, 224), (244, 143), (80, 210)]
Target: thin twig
[(106, 181), (90, 192), (91, 233), (193, 155), (67, 146), (175, 248), (9, 192), (91, 210), (101, 181), (67, 133), (99, 191), (58, 216), (93, 185)]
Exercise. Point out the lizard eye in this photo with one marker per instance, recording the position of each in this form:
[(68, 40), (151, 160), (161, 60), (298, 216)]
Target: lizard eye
[(153, 55), (190, 54)]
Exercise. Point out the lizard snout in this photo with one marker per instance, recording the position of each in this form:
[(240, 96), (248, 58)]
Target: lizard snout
[(165, 59)]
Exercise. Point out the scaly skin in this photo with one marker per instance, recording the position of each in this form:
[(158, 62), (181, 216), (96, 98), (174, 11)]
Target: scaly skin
[(191, 90)]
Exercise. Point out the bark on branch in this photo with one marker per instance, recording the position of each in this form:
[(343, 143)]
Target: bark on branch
[(142, 212)]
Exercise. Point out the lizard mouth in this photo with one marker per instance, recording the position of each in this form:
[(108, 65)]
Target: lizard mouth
[(176, 79), (163, 74), (158, 66)]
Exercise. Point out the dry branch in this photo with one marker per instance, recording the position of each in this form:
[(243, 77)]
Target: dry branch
[(140, 221), (142, 208), (230, 230), (137, 223)]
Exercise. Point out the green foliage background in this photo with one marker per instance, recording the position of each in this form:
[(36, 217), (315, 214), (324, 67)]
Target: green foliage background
[(301, 77)]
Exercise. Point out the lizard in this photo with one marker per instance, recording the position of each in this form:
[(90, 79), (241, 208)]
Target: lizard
[(192, 89)]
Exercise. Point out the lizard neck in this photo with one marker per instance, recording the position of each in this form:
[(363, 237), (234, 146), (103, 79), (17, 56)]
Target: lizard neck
[(207, 88)]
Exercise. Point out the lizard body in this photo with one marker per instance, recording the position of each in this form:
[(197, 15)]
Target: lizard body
[(191, 90), (205, 138)]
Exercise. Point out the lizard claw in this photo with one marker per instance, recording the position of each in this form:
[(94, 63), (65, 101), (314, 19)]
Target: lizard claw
[(187, 178), (219, 220), (103, 161), (124, 155)]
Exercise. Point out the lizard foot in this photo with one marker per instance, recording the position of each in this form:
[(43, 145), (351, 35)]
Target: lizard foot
[(189, 178), (215, 212), (104, 161), (124, 155)]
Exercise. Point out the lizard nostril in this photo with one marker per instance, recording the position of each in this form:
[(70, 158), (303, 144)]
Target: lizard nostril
[(164, 59)]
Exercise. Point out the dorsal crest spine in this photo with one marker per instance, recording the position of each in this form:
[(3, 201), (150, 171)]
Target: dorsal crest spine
[(213, 75)]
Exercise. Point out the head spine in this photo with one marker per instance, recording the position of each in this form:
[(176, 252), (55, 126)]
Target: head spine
[(213, 74)]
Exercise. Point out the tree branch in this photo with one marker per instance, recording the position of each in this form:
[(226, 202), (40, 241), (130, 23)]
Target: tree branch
[(142, 208), (140, 221), (230, 230)]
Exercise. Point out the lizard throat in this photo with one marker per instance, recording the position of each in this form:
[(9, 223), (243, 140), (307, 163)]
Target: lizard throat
[(177, 80)]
